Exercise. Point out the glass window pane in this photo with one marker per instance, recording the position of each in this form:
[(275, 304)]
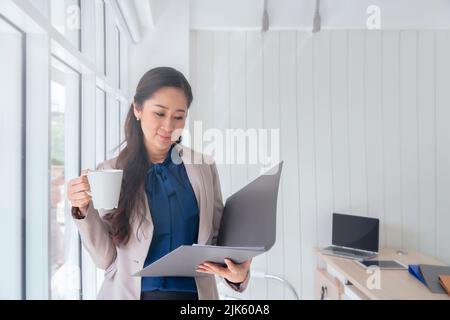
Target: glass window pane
[(123, 115), (64, 241), (42, 6), (118, 61), (66, 18), (100, 134), (100, 148), (112, 127), (12, 165), (100, 35), (119, 131), (123, 62)]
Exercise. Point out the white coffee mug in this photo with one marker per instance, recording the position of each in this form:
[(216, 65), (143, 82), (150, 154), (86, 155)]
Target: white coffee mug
[(105, 188)]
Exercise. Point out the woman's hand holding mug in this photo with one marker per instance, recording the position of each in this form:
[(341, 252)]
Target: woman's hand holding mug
[(78, 192)]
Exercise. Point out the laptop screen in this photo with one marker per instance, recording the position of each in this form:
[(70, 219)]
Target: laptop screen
[(355, 232)]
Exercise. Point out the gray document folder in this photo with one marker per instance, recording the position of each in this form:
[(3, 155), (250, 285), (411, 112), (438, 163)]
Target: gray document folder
[(247, 229), (431, 275)]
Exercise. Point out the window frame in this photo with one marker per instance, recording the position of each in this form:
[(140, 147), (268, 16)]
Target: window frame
[(43, 41), (77, 254), (23, 154)]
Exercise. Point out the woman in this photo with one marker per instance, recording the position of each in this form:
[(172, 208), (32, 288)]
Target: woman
[(183, 196)]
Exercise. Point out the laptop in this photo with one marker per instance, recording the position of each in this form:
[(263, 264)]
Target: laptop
[(354, 237)]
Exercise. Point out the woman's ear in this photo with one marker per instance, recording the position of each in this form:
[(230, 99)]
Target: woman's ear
[(137, 113)]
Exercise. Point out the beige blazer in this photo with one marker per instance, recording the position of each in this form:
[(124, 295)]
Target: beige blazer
[(120, 262)]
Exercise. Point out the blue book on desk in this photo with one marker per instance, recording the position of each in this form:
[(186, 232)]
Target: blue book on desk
[(414, 269)]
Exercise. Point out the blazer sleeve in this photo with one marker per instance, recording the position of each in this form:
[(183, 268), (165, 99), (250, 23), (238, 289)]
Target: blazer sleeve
[(95, 236), (217, 217)]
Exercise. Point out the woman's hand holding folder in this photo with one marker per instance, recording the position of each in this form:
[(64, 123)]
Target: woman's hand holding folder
[(233, 272)]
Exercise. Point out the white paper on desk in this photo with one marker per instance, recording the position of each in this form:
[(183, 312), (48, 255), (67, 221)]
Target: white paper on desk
[(183, 261)]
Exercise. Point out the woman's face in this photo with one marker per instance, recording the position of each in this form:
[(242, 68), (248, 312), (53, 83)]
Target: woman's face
[(163, 117)]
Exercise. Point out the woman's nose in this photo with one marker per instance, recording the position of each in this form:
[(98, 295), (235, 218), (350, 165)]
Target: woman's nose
[(168, 125)]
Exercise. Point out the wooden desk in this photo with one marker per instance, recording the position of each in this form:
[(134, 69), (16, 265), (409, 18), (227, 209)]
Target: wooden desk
[(394, 284)]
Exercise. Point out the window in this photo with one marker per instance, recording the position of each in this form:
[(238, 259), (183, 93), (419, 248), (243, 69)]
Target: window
[(47, 82), (12, 166), (118, 61), (100, 147), (65, 159), (123, 63), (100, 13), (123, 115), (100, 129), (66, 18), (112, 127), (119, 122)]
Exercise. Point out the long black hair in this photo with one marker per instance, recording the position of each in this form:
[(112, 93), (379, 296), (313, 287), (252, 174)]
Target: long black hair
[(133, 158)]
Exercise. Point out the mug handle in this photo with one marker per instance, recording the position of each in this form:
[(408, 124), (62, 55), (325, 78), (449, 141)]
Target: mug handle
[(85, 173)]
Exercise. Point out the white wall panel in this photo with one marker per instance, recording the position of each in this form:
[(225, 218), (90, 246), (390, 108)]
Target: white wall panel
[(363, 119)]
